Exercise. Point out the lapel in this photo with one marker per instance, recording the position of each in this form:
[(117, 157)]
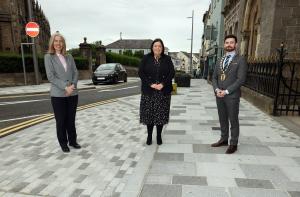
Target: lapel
[(60, 65), (233, 63)]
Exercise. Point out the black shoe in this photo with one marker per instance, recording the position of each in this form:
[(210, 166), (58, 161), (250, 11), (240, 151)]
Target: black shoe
[(231, 149), (77, 146), (149, 140), (220, 143), (65, 149), (159, 140)]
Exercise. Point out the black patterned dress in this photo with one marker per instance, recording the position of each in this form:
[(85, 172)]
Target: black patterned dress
[(155, 108)]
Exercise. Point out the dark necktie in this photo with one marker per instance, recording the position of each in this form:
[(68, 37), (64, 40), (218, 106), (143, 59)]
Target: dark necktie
[(226, 62)]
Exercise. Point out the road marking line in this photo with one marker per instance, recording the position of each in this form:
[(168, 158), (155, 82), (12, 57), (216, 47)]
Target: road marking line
[(80, 90), (25, 117), (20, 102), (118, 89), (28, 123)]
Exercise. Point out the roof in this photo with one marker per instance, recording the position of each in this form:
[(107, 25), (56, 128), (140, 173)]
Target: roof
[(130, 44)]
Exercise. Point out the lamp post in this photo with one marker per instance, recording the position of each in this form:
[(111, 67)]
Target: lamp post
[(191, 58)]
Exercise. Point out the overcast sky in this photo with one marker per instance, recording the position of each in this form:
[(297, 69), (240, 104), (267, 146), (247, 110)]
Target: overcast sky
[(136, 19)]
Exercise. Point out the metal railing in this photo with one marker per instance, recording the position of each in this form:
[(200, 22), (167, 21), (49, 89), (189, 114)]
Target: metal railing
[(279, 79)]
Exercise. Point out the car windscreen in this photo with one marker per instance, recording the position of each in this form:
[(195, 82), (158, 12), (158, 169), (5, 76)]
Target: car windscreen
[(106, 67)]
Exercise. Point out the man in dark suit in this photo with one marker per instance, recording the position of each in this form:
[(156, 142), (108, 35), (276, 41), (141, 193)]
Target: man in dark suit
[(228, 77)]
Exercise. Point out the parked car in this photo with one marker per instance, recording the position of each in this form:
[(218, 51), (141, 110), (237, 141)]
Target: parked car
[(109, 73)]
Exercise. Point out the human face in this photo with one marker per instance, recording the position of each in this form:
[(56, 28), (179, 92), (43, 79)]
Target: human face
[(157, 49), (58, 44), (230, 44)]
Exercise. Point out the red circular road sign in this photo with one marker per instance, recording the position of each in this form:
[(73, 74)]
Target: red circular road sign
[(32, 29)]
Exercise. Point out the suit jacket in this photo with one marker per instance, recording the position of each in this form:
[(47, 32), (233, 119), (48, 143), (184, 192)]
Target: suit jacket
[(235, 76), (58, 77), (151, 74)]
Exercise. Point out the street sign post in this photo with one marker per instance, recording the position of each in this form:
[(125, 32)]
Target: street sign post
[(32, 29)]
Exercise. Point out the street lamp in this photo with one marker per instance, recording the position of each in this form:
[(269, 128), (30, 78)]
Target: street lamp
[(191, 58)]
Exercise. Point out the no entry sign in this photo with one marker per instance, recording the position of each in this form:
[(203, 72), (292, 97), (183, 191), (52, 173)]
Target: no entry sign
[(32, 29)]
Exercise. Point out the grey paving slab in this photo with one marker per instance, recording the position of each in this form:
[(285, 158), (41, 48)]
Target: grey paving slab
[(174, 132), (203, 191), (150, 190), (294, 193), (189, 180), (206, 148), (254, 183), (247, 192), (169, 156), (173, 168), (269, 172)]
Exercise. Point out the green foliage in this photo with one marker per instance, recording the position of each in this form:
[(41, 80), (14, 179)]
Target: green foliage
[(128, 52), (123, 59), (12, 63), (139, 54), (81, 63), (75, 52)]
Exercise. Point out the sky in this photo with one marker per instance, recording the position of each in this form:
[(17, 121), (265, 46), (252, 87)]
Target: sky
[(136, 19)]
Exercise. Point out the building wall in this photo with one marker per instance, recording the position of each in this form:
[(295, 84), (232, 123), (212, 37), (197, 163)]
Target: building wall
[(262, 25), (146, 51), (286, 27), (13, 18), (217, 20)]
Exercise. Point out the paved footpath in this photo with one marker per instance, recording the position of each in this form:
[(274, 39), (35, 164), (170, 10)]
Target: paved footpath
[(115, 161)]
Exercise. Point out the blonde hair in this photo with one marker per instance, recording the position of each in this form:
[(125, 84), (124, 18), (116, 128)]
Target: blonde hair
[(51, 49)]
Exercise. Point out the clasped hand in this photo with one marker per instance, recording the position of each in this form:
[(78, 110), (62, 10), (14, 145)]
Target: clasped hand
[(157, 86), (220, 93), (69, 90)]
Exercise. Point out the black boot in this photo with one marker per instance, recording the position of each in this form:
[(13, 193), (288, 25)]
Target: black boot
[(149, 137), (158, 137)]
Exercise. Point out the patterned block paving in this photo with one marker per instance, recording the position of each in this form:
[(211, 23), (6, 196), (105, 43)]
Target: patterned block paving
[(112, 141), (111, 162), (266, 163)]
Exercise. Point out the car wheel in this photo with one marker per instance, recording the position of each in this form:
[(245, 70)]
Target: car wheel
[(116, 80), (125, 79), (95, 83)]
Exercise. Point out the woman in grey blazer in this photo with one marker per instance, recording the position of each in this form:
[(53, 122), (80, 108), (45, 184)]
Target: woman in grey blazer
[(62, 74)]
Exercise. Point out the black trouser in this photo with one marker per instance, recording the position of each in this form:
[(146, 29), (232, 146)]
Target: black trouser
[(65, 111)]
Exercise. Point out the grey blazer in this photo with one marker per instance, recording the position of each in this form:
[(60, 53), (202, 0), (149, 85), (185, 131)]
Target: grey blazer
[(58, 77), (235, 76)]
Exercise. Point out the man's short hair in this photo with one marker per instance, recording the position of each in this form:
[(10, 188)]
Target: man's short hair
[(230, 36)]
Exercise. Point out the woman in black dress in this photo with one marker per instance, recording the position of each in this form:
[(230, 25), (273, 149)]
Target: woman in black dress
[(156, 72)]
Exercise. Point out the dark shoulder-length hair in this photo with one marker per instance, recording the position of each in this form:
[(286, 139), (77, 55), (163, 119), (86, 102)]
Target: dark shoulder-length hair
[(162, 44)]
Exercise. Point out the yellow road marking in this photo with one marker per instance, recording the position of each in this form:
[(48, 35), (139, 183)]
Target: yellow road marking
[(28, 123)]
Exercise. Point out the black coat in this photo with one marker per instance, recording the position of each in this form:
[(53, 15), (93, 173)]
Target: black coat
[(152, 74)]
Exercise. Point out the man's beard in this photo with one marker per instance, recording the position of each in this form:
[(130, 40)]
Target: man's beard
[(229, 49)]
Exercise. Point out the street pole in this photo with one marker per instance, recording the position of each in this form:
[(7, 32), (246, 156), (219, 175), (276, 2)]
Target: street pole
[(35, 62), (192, 35)]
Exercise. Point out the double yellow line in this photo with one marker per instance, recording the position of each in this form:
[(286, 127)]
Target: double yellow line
[(45, 117)]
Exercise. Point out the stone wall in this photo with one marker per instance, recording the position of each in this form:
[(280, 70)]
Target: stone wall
[(262, 102), (287, 27)]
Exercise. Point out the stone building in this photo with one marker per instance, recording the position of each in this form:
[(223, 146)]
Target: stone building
[(13, 18), (262, 25)]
